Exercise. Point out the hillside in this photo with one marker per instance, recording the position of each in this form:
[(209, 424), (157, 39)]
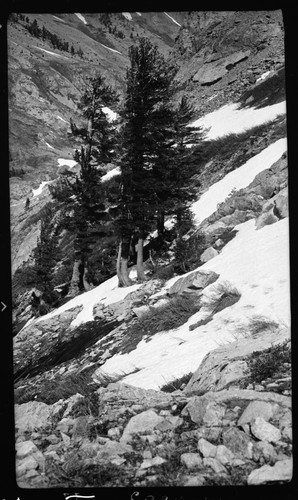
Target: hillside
[(183, 380)]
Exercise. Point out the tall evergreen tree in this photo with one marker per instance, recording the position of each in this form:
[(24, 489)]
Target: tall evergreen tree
[(147, 137), (87, 196)]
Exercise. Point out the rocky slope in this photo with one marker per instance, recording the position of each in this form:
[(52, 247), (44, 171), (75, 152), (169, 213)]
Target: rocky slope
[(91, 409)]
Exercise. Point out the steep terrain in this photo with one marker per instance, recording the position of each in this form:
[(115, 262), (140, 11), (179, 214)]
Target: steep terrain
[(184, 380)]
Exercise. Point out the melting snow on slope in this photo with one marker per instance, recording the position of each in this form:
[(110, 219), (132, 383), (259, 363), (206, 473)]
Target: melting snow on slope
[(257, 263), (172, 19), (109, 48), (263, 76), (107, 293), (50, 52), (229, 119), (81, 17), (59, 19), (62, 119), (127, 15), (111, 173), (69, 163), (38, 191), (239, 178), (112, 116)]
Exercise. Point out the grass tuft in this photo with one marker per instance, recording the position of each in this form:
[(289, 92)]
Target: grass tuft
[(176, 384), (223, 295)]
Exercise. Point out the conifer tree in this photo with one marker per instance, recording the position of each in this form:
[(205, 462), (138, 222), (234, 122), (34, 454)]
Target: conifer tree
[(87, 195), (147, 138)]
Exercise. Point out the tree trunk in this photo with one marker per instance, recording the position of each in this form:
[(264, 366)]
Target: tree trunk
[(74, 287), (122, 263), (140, 263), (161, 224), (86, 284)]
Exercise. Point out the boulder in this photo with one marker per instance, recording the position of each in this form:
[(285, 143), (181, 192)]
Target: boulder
[(264, 430), (208, 254), (143, 422), (263, 451), (206, 448), (204, 411), (224, 455), (215, 465), (266, 219), (238, 443), (32, 416), (281, 471), (191, 461), (195, 281), (152, 462), (256, 409)]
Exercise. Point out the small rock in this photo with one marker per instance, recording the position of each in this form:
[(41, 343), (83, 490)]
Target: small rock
[(152, 462), (224, 455), (264, 451), (114, 432), (142, 422), (147, 454), (215, 465), (194, 481), (259, 388), (238, 442), (281, 471), (265, 431), (207, 449), (66, 438), (191, 460), (208, 254)]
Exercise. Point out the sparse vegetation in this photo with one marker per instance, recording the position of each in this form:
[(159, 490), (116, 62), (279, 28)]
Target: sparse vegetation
[(223, 295), (166, 317), (256, 325), (265, 364), (175, 385), (187, 253), (61, 387)]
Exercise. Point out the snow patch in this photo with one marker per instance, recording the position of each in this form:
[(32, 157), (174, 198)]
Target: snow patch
[(38, 191), (49, 145), (237, 179), (69, 163), (112, 116), (255, 262), (81, 17), (109, 48), (263, 76), (127, 15), (230, 120), (62, 119), (106, 293), (50, 52), (111, 173), (174, 21), (139, 13), (62, 21)]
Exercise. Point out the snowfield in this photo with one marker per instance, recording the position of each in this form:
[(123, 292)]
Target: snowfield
[(64, 161), (257, 263), (112, 116), (229, 119), (237, 179)]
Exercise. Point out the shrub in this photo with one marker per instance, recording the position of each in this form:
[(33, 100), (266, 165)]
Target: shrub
[(255, 326), (50, 391), (187, 253), (166, 317), (223, 295), (264, 364), (174, 385)]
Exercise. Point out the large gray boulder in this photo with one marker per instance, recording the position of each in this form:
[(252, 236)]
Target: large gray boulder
[(193, 282)]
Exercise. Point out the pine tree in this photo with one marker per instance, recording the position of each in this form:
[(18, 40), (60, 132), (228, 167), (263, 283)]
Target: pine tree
[(87, 196), (147, 137), (46, 252)]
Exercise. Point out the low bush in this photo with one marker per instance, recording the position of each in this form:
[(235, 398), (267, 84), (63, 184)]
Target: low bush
[(50, 391), (166, 317), (175, 384), (265, 364), (256, 325), (187, 253), (223, 295)]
